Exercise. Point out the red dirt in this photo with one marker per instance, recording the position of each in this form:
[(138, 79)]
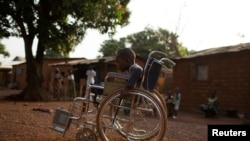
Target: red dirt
[(30, 121)]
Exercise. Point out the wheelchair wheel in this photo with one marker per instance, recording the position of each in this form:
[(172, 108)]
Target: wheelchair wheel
[(146, 120), (86, 134)]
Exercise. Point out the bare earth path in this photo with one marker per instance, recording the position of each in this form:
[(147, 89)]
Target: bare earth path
[(19, 122)]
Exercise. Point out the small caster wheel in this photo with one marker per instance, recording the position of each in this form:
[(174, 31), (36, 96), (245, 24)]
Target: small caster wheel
[(86, 134), (95, 129)]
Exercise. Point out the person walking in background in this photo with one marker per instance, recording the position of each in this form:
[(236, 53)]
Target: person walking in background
[(176, 102), (57, 84), (91, 74), (71, 85)]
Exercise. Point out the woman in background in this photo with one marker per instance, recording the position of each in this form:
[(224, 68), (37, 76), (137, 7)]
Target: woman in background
[(57, 84), (71, 85)]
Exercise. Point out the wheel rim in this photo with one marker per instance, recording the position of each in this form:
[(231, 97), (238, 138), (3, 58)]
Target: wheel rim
[(142, 125), (86, 134)]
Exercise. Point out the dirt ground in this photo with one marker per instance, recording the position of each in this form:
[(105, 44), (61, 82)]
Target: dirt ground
[(30, 121)]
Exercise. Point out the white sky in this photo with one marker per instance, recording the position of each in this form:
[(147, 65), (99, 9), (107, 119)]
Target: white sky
[(201, 24)]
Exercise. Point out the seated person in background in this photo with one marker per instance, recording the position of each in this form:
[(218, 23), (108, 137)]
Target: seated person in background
[(211, 109), (125, 59)]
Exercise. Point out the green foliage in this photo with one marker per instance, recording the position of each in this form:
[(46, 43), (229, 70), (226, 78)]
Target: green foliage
[(110, 47), (49, 53), (2, 47), (58, 25), (183, 51), (146, 41), (3, 51)]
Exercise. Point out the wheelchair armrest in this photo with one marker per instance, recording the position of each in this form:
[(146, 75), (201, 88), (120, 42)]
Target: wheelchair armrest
[(118, 75), (96, 87)]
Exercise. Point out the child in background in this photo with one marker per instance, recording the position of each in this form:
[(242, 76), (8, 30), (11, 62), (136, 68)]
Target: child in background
[(176, 102), (211, 108)]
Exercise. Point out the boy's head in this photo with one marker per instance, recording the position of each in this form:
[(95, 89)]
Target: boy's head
[(125, 58), (213, 93)]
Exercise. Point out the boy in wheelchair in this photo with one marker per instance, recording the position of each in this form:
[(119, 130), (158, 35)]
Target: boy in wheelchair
[(125, 59)]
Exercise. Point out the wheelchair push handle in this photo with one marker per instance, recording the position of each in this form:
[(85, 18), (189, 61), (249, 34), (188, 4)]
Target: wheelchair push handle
[(164, 57), (157, 52), (168, 60)]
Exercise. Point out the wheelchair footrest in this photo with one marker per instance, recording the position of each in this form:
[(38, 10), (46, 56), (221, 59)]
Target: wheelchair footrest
[(58, 129)]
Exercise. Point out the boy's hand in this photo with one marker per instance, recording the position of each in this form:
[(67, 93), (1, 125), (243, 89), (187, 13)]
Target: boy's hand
[(125, 92)]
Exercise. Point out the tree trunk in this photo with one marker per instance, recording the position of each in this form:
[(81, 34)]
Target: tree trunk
[(34, 75), (34, 88), (35, 64)]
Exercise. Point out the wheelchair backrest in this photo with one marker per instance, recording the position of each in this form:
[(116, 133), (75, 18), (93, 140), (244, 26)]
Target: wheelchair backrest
[(151, 73)]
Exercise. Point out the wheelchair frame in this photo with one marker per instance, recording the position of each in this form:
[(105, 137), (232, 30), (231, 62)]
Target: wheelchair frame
[(143, 103)]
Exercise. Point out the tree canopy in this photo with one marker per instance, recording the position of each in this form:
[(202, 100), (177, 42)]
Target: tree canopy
[(146, 41), (2, 47), (3, 51), (58, 25), (110, 47)]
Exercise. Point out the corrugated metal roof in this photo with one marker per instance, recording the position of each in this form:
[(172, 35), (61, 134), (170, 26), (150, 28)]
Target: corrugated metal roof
[(85, 61), (8, 65), (5, 67), (225, 49), (19, 58)]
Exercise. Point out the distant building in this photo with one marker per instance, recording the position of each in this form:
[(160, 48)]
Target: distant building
[(225, 69), (19, 71), (6, 71), (100, 65)]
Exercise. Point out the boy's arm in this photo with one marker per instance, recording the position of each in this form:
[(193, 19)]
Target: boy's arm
[(135, 76)]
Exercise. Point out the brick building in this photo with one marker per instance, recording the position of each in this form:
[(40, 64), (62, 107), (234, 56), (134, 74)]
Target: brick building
[(225, 69), (19, 71), (80, 67)]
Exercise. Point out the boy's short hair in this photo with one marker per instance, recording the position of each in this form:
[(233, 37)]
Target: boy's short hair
[(126, 53)]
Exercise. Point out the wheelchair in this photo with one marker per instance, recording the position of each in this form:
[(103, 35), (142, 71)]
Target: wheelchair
[(107, 114)]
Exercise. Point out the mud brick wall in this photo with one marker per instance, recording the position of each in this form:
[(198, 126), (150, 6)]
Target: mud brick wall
[(228, 73)]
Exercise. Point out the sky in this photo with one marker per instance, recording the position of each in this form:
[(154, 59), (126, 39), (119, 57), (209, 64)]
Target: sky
[(200, 24)]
